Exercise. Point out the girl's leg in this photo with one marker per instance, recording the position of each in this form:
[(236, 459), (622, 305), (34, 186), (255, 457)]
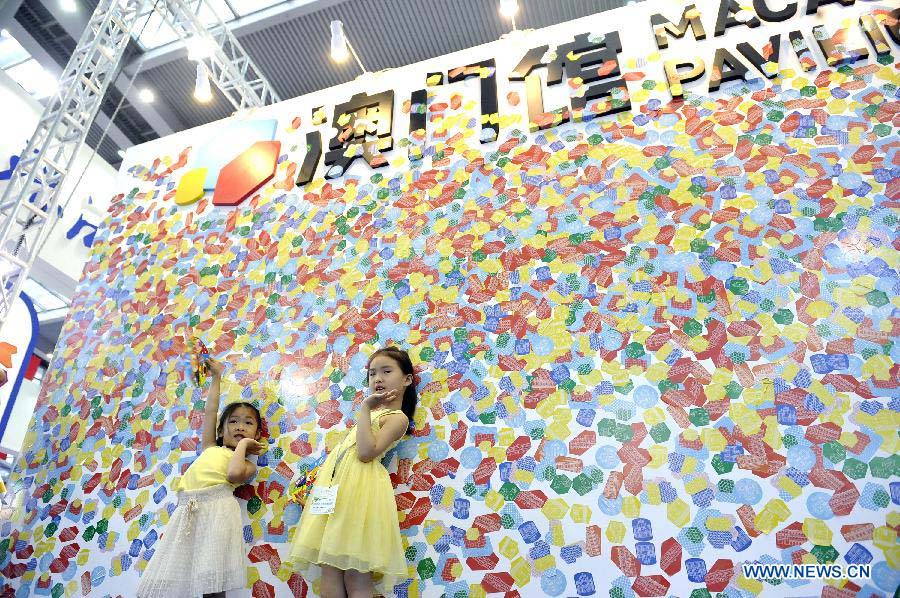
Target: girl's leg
[(332, 583), (359, 585), (215, 595)]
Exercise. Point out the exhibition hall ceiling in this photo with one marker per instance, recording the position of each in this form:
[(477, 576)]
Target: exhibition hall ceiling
[(288, 40)]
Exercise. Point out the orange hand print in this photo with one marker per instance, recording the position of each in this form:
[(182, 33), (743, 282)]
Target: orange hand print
[(6, 352)]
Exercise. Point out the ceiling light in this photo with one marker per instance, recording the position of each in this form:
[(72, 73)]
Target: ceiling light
[(121, 153), (341, 47), (509, 8), (202, 90), (339, 50), (4, 33), (68, 5), (146, 95)]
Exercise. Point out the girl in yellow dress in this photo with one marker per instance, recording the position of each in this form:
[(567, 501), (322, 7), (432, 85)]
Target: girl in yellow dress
[(353, 533), (202, 550)]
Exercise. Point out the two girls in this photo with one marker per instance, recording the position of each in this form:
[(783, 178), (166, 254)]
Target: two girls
[(354, 533)]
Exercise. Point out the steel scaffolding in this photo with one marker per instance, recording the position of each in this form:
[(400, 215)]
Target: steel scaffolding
[(28, 207), (230, 68)]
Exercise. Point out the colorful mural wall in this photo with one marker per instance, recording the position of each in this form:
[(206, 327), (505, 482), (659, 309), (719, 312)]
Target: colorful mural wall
[(652, 347)]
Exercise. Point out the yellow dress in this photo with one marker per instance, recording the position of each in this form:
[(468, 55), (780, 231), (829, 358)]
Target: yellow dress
[(208, 470), (363, 532), (202, 549)]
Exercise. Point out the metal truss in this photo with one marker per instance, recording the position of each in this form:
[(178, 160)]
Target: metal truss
[(29, 203), (230, 68), (28, 207)]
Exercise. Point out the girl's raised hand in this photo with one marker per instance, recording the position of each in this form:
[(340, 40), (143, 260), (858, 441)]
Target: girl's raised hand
[(379, 398), (216, 368), (253, 447)]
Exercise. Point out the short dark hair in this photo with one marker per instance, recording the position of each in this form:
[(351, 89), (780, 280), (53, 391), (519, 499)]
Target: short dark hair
[(220, 438), (410, 397)]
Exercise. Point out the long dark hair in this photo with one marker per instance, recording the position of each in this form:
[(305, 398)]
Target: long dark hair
[(220, 436), (410, 397)]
